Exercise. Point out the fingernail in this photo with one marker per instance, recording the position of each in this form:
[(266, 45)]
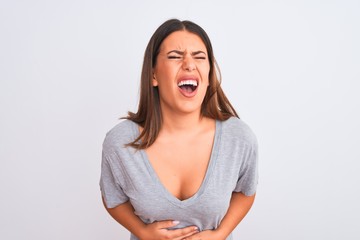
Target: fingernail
[(176, 222)]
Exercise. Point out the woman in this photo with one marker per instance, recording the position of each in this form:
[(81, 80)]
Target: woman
[(184, 166)]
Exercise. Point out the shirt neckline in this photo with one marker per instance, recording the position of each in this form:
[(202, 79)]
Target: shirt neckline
[(169, 196)]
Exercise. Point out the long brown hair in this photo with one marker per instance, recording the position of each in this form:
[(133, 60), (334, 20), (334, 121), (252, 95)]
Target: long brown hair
[(215, 104)]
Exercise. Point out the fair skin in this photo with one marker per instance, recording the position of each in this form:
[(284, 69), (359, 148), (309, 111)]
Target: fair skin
[(182, 56), (181, 152)]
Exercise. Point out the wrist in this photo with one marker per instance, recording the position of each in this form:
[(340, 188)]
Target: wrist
[(220, 233), (141, 232)]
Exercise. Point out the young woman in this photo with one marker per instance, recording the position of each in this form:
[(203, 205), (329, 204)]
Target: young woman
[(184, 166)]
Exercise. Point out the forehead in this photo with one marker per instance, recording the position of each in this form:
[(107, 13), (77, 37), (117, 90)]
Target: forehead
[(183, 40)]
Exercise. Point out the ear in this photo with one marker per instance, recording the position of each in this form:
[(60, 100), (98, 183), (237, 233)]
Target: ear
[(154, 81)]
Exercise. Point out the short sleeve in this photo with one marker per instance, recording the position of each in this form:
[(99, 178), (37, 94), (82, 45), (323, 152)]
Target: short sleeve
[(110, 188), (248, 174)]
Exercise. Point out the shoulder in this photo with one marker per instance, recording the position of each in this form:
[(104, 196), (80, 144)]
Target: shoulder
[(121, 134), (236, 129)]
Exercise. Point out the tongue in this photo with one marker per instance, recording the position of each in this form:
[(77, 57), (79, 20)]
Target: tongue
[(187, 88)]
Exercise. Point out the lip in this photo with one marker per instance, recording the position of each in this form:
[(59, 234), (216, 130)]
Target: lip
[(188, 77)]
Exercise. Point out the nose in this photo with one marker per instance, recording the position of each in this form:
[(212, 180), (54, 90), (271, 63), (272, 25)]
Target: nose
[(189, 64)]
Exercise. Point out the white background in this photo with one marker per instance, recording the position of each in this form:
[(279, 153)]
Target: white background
[(69, 69)]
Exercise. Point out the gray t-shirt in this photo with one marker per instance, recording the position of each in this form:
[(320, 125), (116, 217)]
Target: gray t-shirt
[(127, 175)]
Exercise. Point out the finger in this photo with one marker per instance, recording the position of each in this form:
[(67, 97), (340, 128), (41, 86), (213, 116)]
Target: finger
[(166, 224), (195, 236), (188, 236), (183, 232)]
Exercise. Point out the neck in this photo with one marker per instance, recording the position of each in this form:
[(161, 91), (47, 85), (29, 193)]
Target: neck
[(182, 122)]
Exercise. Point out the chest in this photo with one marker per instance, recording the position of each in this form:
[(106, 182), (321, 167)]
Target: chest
[(203, 206), (181, 166)]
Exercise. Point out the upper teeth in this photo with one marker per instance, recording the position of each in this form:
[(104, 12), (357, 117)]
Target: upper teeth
[(187, 82)]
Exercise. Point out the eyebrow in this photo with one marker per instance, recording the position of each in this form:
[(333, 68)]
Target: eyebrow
[(182, 52)]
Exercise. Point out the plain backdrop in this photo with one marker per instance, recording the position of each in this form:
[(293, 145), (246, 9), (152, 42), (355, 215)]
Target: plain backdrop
[(69, 69)]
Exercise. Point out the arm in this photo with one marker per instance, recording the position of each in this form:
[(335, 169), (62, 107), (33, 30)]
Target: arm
[(124, 214), (239, 207)]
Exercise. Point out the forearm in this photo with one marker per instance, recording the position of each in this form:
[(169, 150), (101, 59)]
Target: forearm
[(124, 214), (239, 207)]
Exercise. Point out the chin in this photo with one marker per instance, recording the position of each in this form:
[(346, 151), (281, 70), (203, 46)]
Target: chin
[(190, 109)]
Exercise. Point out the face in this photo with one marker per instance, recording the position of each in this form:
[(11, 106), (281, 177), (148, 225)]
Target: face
[(182, 73)]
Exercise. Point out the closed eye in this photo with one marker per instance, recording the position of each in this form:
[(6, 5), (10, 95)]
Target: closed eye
[(199, 55), (174, 57)]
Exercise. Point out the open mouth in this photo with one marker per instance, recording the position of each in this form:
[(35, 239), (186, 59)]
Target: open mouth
[(188, 86)]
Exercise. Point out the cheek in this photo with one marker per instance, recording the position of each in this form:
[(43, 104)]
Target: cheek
[(165, 73), (205, 75), (204, 69)]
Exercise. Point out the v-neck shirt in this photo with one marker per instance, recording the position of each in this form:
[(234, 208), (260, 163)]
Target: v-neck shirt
[(208, 173), (127, 175)]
